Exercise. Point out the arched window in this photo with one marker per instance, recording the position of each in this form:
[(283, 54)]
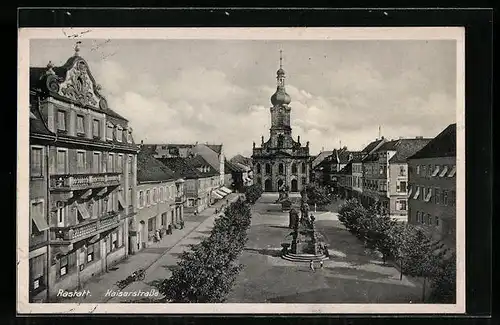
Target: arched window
[(268, 169), (280, 169), (280, 140), (258, 168), (303, 167), (294, 168)]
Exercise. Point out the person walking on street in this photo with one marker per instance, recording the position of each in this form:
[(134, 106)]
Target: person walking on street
[(321, 264), (311, 265)]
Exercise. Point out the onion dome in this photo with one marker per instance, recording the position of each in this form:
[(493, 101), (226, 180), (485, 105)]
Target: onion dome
[(280, 97)]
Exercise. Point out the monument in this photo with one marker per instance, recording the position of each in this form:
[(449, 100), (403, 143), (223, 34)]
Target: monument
[(307, 244), (284, 198)]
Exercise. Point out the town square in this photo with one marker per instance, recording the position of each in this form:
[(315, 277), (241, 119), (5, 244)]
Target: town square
[(242, 171)]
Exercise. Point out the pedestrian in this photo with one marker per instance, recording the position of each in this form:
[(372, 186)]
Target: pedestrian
[(321, 264), (311, 265)]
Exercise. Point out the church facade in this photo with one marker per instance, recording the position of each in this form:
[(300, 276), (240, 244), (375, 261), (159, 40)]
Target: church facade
[(281, 162)]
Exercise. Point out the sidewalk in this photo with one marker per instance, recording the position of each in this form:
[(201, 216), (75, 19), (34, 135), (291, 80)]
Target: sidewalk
[(146, 258)]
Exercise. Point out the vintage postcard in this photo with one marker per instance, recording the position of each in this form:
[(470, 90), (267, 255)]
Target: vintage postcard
[(241, 170)]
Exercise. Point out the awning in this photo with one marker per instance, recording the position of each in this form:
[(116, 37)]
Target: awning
[(225, 190), (83, 211), (453, 171), (218, 191), (409, 191), (40, 222), (444, 171), (217, 195), (436, 171)]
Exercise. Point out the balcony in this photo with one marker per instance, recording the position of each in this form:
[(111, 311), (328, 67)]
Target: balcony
[(39, 239), (77, 232), (70, 182)]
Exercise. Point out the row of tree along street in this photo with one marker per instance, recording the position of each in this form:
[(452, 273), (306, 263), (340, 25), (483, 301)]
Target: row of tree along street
[(206, 272), (408, 245)]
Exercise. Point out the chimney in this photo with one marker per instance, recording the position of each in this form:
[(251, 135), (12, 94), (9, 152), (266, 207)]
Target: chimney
[(419, 137)]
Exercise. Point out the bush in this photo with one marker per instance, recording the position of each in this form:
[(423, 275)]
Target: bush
[(253, 193), (318, 195), (444, 282), (206, 273)]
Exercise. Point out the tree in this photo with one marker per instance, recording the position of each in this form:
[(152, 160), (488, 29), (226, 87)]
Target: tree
[(444, 281), (206, 273), (317, 195), (253, 193)]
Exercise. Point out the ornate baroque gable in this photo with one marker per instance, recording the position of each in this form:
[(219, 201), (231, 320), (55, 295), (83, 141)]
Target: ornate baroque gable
[(77, 85)]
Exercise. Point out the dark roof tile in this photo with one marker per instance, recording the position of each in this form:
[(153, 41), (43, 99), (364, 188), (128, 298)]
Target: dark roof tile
[(443, 145), (150, 169)]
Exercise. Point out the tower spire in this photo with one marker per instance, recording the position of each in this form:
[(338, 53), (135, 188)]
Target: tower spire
[(281, 59)]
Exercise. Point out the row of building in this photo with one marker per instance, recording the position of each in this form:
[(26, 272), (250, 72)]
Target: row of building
[(413, 180), (95, 195)]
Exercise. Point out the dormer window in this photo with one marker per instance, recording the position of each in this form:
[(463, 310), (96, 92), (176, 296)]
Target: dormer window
[(119, 133)]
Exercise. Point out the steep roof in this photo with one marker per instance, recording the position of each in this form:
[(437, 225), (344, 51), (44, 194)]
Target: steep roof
[(372, 145), (230, 167), (407, 147), (443, 145), (242, 160), (150, 169), (199, 162), (217, 148), (181, 166), (37, 124), (320, 157), (210, 156)]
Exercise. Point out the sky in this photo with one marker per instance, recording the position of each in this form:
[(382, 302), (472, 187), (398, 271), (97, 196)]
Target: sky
[(218, 91)]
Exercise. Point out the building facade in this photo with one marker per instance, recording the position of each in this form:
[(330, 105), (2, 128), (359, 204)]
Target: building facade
[(281, 162), (89, 170), (160, 201), (386, 177), (432, 187)]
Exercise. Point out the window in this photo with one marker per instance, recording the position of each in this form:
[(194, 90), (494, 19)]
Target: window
[(67, 263), (96, 162), (95, 129), (294, 168), (437, 221), (80, 126), (304, 180), (152, 224), (111, 163), (141, 199), (418, 217), (37, 272), (258, 168), (437, 196), (303, 168), (90, 253), (129, 196), (60, 212), (36, 163), (429, 170), (429, 219), (62, 156), (280, 169), (80, 161), (109, 132), (402, 171), (402, 205), (445, 197), (148, 198), (119, 164), (424, 170), (418, 169), (120, 236), (268, 169), (61, 121), (154, 196), (129, 164), (452, 199), (401, 187), (119, 134), (129, 137), (114, 240)]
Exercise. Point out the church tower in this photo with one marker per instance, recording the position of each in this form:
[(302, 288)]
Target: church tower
[(281, 163), (281, 131)]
